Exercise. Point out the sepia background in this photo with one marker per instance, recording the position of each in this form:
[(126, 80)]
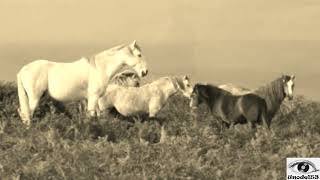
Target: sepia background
[(246, 42)]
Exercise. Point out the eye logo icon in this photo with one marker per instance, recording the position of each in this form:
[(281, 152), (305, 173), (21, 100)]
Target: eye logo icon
[(303, 167)]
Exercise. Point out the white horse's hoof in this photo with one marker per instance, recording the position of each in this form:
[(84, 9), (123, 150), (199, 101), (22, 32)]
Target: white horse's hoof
[(27, 122), (91, 113)]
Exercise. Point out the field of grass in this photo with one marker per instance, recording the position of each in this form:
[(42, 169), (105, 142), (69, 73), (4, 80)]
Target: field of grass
[(188, 146)]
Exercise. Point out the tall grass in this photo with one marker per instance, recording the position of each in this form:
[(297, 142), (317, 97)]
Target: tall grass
[(188, 146)]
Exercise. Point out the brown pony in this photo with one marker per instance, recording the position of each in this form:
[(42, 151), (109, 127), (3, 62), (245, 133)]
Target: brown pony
[(231, 109), (274, 92)]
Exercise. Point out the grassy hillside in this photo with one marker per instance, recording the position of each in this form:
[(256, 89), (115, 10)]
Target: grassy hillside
[(192, 146)]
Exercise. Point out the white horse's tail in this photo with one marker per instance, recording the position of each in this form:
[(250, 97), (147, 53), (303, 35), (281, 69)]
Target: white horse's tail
[(24, 110)]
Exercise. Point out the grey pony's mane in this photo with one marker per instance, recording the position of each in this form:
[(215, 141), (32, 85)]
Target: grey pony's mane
[(122, 77), (273, 93)]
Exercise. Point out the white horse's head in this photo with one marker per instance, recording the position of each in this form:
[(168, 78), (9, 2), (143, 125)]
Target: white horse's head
[(136, 60), (115, 58)]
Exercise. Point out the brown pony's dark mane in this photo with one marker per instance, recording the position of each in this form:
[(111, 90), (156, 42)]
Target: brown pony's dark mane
[(215, 89), (274, 94), (212, 91)]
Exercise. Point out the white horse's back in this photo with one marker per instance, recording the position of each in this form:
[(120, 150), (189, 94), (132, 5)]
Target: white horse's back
[(69, 81), (63, 81)]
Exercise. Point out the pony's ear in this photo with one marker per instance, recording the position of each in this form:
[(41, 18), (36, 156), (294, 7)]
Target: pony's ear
[(283, 77), (133, 45), (179, 84), (185, 77), (293, 76)]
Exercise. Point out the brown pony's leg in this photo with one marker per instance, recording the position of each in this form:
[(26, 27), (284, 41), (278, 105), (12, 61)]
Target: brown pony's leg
[(252, 124), (227, 125), (263, 116), (265, 120)]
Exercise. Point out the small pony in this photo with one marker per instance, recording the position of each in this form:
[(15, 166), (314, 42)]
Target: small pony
[(229, 108), (86, 78), (274, 92), (126, 78), (147, 99)]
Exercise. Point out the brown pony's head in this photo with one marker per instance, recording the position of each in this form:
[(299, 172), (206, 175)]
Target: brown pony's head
[(198, 95), (288, 85)]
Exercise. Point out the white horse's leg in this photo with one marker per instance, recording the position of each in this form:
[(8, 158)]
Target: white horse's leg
[(33, 103), (92, 104), (23, 110), (101, 104), (98, 111), (29, 98), (34, 94)]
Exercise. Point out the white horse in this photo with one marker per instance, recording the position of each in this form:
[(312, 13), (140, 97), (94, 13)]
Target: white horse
[(82, 79), (147, 99)]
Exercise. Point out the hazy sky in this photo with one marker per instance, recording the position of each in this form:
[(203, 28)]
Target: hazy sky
[(246, 42), (158, 21)]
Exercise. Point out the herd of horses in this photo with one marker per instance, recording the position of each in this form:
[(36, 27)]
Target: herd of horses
[(101, 81)]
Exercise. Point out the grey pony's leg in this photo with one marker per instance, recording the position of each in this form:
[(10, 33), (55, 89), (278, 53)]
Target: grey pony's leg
[(155, 106)]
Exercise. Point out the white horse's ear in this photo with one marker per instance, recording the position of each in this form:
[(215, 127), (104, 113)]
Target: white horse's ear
[(92, 61), (293, 76), (186, 77), (133, 45)]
